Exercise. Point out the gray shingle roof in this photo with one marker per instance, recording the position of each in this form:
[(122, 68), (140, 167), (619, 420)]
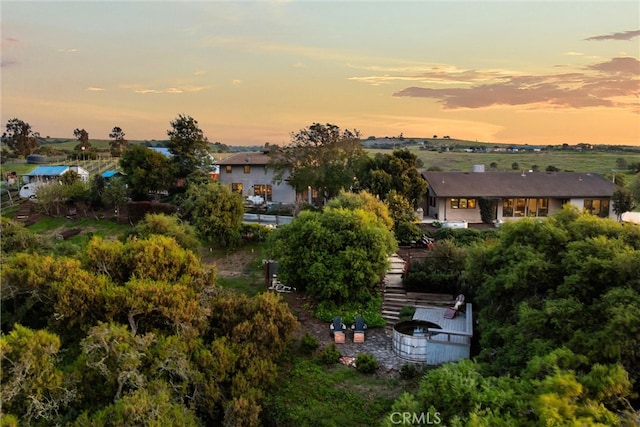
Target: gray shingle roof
[(512, 184), (245, 159)]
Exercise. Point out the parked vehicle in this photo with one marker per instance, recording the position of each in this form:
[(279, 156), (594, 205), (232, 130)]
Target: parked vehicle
[(28, 191)]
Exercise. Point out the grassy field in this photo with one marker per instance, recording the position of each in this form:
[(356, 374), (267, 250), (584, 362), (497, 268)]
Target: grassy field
[(586, 161)]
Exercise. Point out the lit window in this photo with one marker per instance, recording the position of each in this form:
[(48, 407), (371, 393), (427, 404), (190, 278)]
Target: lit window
[(236, 187), (264, 191), (463, 203), (247, 169), (228, 168), (599, 207)]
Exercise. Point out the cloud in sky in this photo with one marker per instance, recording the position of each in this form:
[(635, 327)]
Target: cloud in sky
[(437, 74), (600, 85), (142, 90), (95, 89), (625, 35)]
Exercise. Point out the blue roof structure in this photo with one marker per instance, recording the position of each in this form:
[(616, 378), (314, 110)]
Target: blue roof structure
[(109, 174), (48, 171)]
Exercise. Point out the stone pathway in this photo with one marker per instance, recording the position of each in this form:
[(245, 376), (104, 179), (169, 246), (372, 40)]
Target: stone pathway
[(378, 343)]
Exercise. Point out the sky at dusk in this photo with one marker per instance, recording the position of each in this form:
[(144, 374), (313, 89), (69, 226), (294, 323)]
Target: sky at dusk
[(526, 72)]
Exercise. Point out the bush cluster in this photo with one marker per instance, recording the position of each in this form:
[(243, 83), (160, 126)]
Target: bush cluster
[(308, 343), (366, 363), (330, 354)]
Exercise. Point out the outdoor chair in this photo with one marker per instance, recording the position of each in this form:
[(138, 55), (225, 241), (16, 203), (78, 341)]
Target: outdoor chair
[(358, 329), (452, 311), (337, 329)]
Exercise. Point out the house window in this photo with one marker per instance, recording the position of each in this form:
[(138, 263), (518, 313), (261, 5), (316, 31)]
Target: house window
[(543, 207), (228, 168), (520, 207), (432, 201), (599, 207), (462, 203), (247, 169), (507, 207), (264, 191), (525, 207), (236, 187)]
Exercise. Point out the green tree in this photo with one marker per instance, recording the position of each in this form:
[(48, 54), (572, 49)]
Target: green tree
[(549, 283), (50, 198), (337, 254), (405, 224), (189, 148), (168, 225), (20, 138), (150, 406), (96, 184), (144, 171), (83, 140), (117, 354), (33, 388), (440, 271), (555, 389), (622, 201), (118, 142), (398, 172), (14, 237), (322, 157), (366, 201), (69, 177), (115, 194), (215, 212), (156, 258)]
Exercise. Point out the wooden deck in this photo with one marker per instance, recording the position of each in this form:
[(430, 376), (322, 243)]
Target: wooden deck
[(449, 344), (458, 330)]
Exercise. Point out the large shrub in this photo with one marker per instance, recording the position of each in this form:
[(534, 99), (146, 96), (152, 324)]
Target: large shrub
[(339, 254), (439, 272)]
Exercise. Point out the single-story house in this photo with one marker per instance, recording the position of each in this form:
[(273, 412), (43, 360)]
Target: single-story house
[(248, 174), (456, 196), (53, 173)]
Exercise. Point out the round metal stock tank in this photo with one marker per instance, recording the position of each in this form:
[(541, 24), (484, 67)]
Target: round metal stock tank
[(410, 338), (36, 159)]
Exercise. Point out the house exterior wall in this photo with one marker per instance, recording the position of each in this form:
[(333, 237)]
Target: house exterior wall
[(258, 175), (442, 210)]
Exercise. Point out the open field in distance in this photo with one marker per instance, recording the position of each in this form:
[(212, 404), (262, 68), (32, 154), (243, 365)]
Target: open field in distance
[(595, 161)]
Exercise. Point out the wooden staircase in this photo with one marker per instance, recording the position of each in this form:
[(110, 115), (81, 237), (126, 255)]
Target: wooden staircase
[(25, 210), (395, 296)]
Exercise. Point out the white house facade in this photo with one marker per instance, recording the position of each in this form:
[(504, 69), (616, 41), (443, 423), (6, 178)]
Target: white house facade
[(456, 196), (248, 174)]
